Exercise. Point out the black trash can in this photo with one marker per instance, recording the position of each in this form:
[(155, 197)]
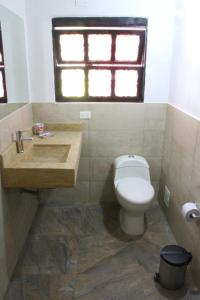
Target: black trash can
[(173, 265)]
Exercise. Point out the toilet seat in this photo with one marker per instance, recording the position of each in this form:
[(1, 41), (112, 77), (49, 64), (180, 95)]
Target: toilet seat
[(135, 190)]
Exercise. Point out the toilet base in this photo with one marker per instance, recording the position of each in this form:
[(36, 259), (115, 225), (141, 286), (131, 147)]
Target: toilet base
[(130, 223)]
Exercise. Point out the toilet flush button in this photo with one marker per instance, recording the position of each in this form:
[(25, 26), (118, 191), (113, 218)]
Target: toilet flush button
[(131, 156)]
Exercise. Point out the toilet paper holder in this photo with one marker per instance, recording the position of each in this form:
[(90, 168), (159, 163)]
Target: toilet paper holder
[(195, 216), (191, 211)]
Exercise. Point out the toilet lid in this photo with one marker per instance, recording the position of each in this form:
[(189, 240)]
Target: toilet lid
[(136, 190)]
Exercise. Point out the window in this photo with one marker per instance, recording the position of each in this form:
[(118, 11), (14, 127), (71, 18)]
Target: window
[(3, 94), (99, 59)]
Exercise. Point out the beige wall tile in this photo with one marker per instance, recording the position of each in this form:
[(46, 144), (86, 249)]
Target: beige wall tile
[(8, 108), (168, 133), (84, 169), (101, 169), (155, 168), (101, 191), (194, 187), (115, 143), (156, 189), (184, 132), (16, 209), (59, 113), (26, 116), (85, 144), (196, 164), (62, 113), (155, 116), (20, 119), (181, 173), (116, 116), (66, 196), (196, 249), (114, 129), (5, 134), (153, 143)]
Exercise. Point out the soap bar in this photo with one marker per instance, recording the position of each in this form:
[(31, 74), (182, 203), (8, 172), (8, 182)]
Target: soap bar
[(45, 134)]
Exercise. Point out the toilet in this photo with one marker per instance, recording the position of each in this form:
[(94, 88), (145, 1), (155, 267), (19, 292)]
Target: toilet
[(134, 191)]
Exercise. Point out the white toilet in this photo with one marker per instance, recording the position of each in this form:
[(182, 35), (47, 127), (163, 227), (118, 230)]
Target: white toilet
[(134, 191)]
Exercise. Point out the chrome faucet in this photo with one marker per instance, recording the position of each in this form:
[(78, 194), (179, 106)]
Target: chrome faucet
[(20, 139)]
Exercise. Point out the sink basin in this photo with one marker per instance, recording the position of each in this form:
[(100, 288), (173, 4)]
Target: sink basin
[(47, 153), (46, 163)]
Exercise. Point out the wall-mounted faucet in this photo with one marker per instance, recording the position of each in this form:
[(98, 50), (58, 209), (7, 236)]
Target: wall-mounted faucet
[(20, 139)]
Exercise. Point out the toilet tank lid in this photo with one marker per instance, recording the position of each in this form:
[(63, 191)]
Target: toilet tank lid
[(130, 161)]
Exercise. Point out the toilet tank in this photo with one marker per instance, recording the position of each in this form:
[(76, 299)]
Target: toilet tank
[(131, 166)]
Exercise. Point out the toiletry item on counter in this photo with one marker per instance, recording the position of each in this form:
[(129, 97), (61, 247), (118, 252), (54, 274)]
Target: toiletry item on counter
[(45, 134), (38, 128), (190, 212)]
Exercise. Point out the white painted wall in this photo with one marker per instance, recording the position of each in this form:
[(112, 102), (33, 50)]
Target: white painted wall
[(40, 55), (185, 76), (16, 6)]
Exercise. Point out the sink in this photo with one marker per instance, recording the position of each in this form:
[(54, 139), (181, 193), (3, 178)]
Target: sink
[(47, 153), (46, 163)]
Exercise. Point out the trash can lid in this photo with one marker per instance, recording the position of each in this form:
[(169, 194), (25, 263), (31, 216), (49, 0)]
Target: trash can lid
[(175, 255)]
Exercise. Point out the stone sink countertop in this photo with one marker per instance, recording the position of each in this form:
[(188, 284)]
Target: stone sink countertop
[(48, 162)]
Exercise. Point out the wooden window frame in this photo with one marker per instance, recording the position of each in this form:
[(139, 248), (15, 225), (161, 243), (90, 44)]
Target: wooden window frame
[(2, 70), (135, 26)]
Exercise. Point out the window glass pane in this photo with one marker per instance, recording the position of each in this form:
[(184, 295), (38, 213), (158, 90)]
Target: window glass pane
[(99, 47), (1, 86), (73, 83), (72, 47), (99, 83), (126, 83), (127, 47)]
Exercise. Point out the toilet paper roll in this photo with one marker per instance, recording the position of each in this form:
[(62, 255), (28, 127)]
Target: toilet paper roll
[(188, 209)]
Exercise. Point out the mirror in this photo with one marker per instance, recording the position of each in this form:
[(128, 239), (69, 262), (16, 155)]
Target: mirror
[(14, 61)]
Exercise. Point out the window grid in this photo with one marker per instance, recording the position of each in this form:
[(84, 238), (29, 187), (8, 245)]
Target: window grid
[(57, 47), (111, 65), (113, 98)]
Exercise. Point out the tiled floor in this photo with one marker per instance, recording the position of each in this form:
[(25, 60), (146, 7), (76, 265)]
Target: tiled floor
[(79, 252)]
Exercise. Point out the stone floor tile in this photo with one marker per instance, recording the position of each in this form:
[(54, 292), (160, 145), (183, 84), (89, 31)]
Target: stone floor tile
[(120, 265), (41, 287), (48, 288), (134, 285), (45, 255), (93, 249), (103, 220), (57, 221), (81, 253), (72, 220), (15, 290)]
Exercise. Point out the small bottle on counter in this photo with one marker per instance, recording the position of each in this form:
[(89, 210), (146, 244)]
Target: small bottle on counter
[(38, 128)]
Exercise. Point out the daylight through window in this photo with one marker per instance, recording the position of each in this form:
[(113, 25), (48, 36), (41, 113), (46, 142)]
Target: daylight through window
[(99, 59)]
